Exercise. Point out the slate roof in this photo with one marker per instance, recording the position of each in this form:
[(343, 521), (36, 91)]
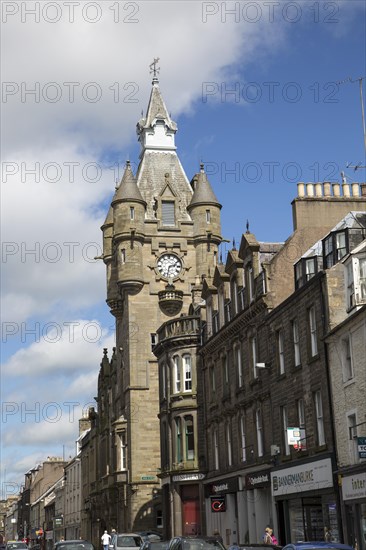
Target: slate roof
[(203, 193), (128, 190), (156, 109)]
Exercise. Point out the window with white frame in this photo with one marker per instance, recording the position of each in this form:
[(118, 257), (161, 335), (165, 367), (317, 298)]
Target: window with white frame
[(228, 444), (177, 376), (187, 370), (352, 436), (284, 422), (259, 429), (253, 352), (347, 365), (239, 366), (362, 278), (189, 431), (281, 351), (122, 436), (319, 418), (216, 448), (243, 441), (313, 332), (296, 341)]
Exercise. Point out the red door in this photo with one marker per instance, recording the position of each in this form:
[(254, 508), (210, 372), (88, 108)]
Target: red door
[(191, 517)]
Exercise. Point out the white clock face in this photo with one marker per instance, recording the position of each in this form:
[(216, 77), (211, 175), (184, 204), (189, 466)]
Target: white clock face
[(169, 266)]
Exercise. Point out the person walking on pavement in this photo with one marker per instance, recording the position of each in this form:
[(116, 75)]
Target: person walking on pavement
[(106, 539)]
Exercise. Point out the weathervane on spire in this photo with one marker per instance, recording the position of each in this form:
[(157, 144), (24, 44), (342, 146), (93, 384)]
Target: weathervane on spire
[(153, 67)]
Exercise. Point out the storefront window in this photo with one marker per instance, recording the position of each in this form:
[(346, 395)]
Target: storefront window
[(313, 518)]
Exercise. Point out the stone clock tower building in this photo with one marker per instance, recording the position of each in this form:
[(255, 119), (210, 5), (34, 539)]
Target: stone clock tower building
[(161, 235)]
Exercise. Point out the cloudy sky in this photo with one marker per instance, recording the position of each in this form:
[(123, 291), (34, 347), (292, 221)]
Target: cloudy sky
[(254, 89)]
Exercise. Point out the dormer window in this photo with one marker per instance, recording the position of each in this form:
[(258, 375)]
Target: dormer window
[(305, 269), (335, 247), (168, 213)]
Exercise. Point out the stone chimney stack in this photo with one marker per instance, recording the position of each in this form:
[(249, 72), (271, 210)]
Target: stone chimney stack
[(324, 204)]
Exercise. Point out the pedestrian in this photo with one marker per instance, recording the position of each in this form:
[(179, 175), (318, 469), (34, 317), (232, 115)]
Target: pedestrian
[(114, 539), (106, 539), (267, 537), (327, 534)]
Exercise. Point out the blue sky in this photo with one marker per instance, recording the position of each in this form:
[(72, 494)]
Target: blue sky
[(288, 121)]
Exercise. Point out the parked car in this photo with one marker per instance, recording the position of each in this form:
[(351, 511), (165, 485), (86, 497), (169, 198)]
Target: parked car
[(73, 545), (150, 535), (195, 543), (317, 545), (155, 545), (16, 545), (126, 541), (260, 546)]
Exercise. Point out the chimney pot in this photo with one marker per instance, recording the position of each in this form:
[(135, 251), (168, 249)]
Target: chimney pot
[(355, 190), (310, 189), (346, 190), (327, 189), (363, 189), (336, 189), (318, 190), (301, 189)]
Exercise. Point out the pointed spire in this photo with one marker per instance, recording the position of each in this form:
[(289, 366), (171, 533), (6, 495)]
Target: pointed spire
[(203, 193), (128, 190)]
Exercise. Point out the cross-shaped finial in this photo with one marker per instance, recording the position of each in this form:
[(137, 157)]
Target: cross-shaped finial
[(153, 66)]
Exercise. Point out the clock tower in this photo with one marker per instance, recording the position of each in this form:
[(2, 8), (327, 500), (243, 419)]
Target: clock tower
[(161, 235)]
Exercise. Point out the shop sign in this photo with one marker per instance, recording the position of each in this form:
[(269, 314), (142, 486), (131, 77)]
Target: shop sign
[(361, 444), (258, 479), (229, 485), (57, 521), (218, 504), (354, 486), (307, 477), (188, 477), (293, 436)]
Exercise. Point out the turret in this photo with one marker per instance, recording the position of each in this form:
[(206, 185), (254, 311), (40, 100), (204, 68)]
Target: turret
[(128, 232), (204, 210)]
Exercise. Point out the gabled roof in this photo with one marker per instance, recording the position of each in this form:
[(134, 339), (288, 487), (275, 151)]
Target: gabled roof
[(233, 260)]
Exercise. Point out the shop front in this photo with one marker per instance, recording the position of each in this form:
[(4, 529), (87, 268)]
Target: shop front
[(255, 506), (306, 503), (354, 509), (222, 508), (184, 515)]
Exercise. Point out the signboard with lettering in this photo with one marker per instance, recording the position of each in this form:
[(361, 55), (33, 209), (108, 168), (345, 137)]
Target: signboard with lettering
[(228, 485), (354, 486), (188, 477), (361, 444), (258, 479), (310, 476)]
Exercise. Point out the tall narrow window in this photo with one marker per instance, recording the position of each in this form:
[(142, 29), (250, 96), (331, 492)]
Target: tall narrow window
[(284, 421), (212, 382), (132, 212), (239, 366), (243, 443), (168, 212), (177, 380), (234, 295), (123, 255), (347, 359), (216, 448), (163, 380), (328, 251), (228, 445), (178, 439), (362, 280), (350, 285), (281, 352), (123, 450), (296, 340), (189, 437), (301, 413), (250, 283), (159, 519), (313, 332), (153, 340), (187, 369), (208, 216), (310, 268), (341, 245), (352, 435), (259, 427), (253, 350), (225, 373), (319, 418)]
